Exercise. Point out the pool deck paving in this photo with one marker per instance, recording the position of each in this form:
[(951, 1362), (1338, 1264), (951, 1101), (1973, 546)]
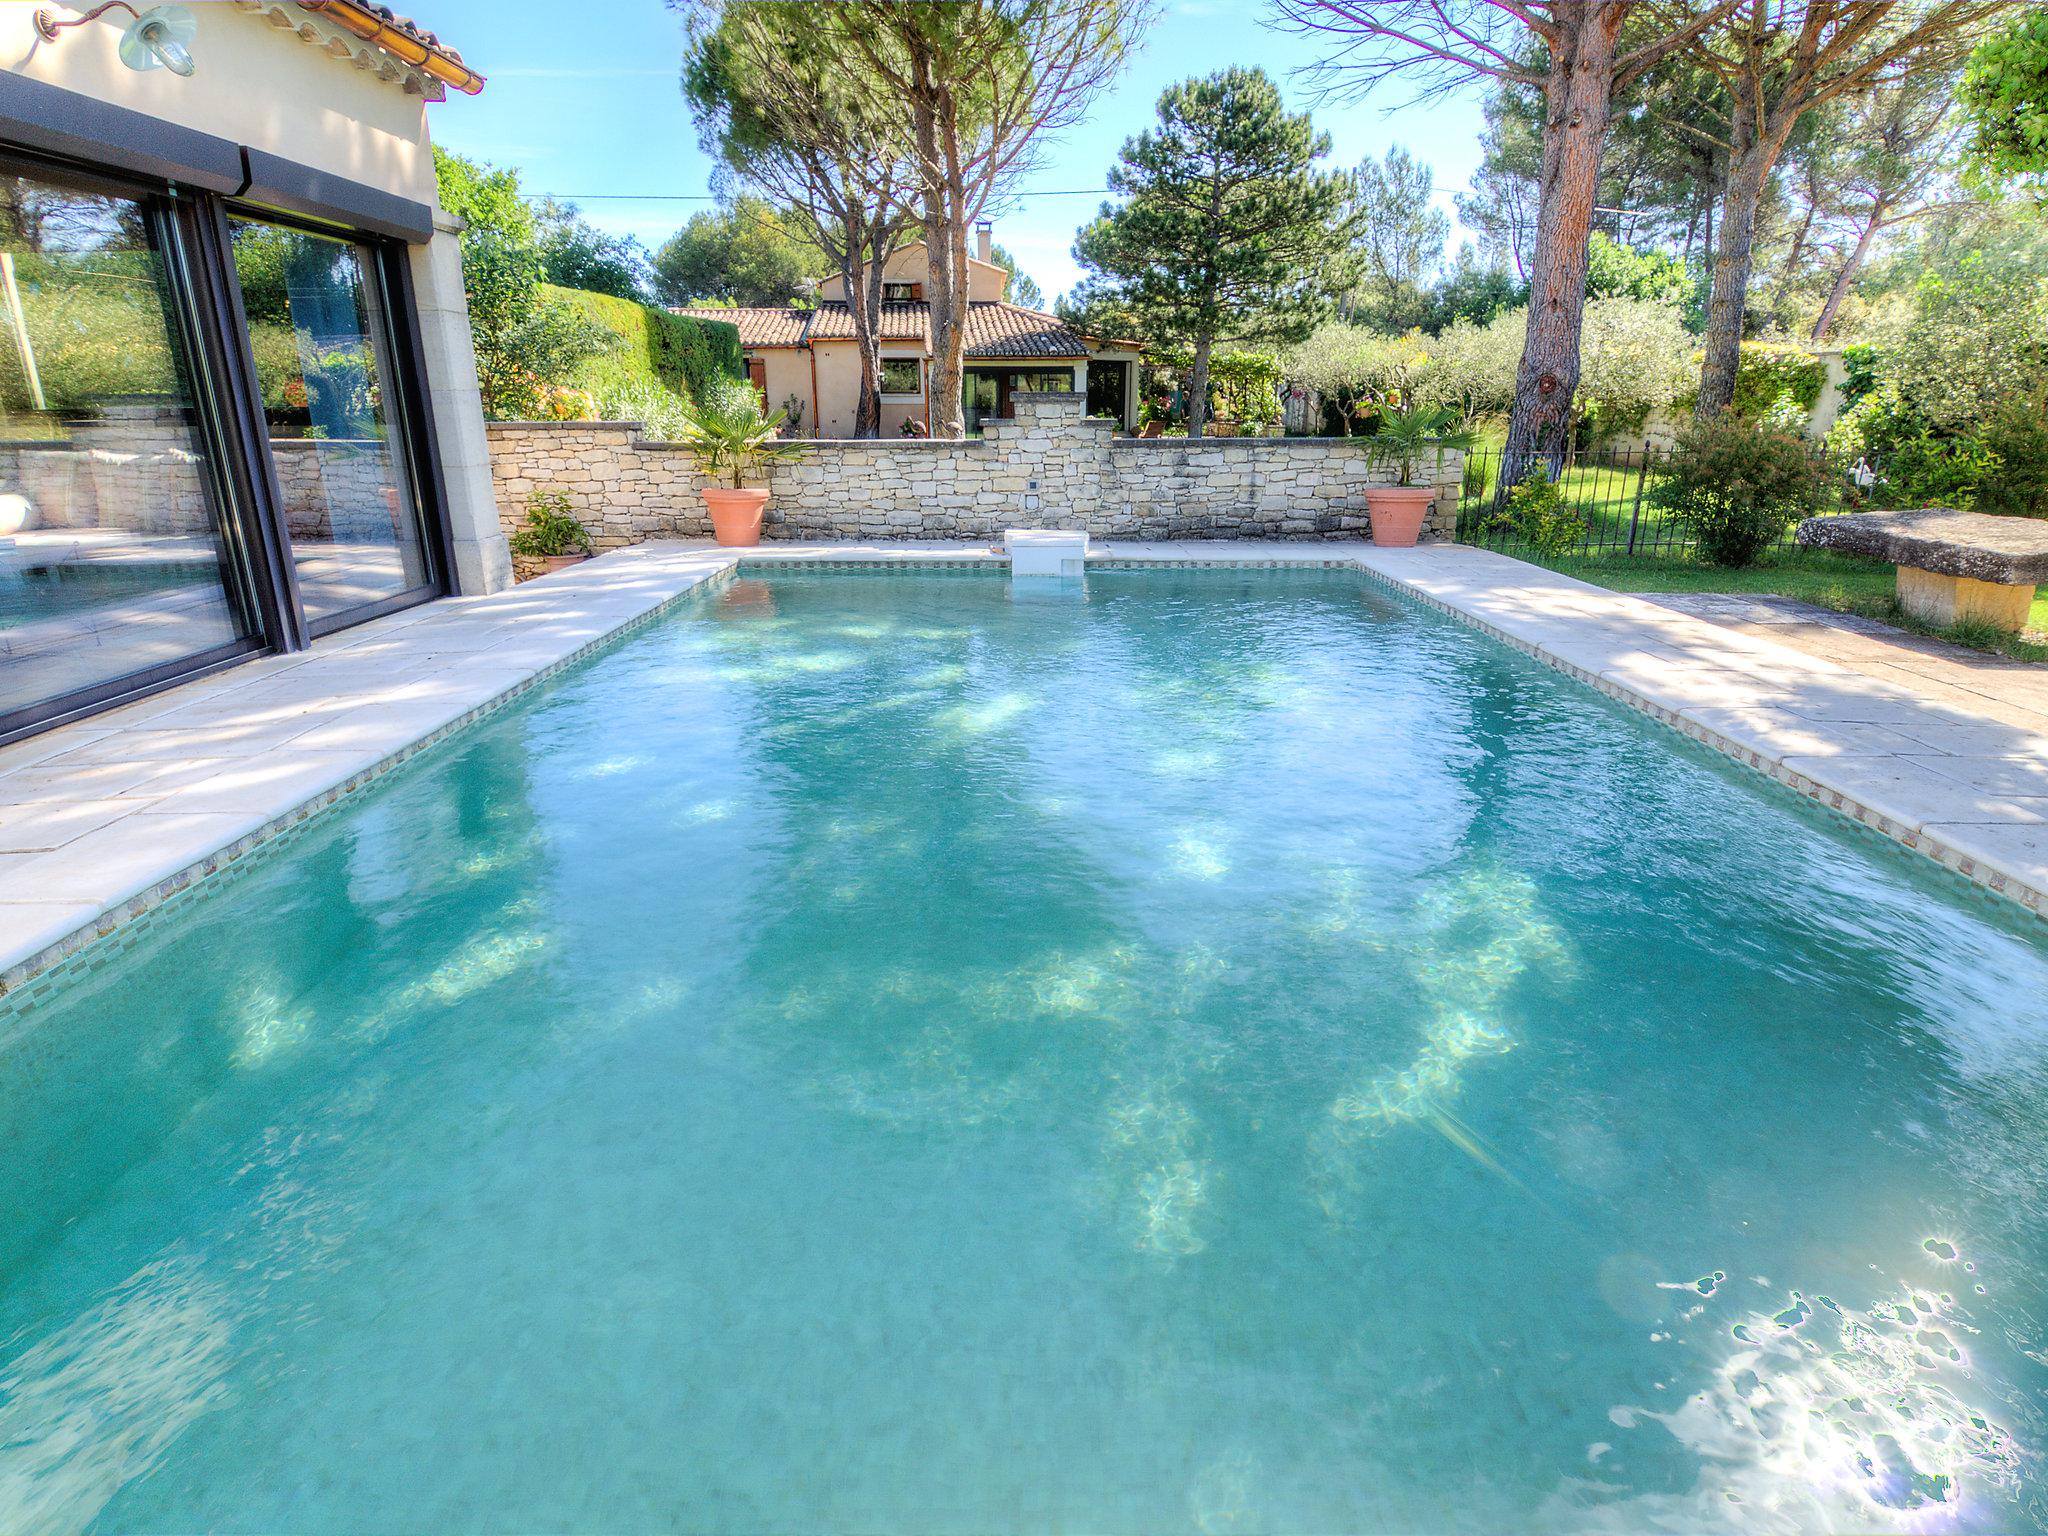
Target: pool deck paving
[(102, 819)]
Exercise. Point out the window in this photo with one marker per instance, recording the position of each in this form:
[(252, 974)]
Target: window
[(901, 293), (903, 376), (324, 368), (117, 556)]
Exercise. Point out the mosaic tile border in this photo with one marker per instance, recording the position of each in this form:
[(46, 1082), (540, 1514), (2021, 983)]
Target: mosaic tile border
[(120, 927), (1980, 876)]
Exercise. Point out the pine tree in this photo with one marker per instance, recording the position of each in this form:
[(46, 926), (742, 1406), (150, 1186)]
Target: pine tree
[(1227, 231)]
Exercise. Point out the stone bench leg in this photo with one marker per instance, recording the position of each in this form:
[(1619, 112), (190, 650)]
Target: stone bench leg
[(1945, 600)]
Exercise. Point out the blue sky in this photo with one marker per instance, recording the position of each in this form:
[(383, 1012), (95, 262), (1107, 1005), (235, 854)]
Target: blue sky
[(583, 100)]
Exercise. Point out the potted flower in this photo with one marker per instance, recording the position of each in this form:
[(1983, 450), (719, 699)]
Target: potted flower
[(552, 534), (1401, 440), (729, 437)]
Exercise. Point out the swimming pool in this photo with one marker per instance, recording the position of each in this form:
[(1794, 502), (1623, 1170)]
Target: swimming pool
[(1230, 1050)]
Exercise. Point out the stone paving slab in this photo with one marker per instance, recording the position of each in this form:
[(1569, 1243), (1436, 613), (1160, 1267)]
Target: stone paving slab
[(102, 819)]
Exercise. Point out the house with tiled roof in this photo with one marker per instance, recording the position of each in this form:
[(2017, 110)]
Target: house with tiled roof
[(805, 361)]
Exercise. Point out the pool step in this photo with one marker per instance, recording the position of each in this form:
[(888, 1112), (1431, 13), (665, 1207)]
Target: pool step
[(1046, 551)]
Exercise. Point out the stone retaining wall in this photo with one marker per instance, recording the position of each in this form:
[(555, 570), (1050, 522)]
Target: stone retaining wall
[(1049, 467)]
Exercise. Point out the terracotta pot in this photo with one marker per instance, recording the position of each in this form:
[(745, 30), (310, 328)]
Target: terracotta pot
[(735, 515), (1397, 512), (562, 562)]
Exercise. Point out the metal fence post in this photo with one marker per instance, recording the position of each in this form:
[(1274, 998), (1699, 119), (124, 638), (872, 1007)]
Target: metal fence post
[(1635, 515)]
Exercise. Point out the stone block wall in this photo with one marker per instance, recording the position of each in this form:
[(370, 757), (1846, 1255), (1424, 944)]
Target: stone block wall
[(1049, 467)]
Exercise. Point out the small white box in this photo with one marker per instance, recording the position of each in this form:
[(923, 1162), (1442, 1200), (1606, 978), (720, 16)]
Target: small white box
[(1046, 551)]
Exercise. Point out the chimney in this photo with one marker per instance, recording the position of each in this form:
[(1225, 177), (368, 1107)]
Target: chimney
[(984, 240)]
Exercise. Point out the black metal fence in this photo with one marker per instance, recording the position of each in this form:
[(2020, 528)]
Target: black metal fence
[(1607, 489)]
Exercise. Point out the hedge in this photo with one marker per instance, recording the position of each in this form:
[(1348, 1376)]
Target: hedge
[(651, 346)]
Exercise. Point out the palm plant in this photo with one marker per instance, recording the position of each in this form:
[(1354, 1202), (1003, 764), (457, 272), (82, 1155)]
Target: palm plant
[(1404, 436), (728, 435)]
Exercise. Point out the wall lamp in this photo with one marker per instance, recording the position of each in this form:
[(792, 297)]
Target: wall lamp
[(157, 38)]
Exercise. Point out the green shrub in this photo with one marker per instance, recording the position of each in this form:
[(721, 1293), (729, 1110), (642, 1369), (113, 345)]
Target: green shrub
[(551, 528), (641, 345), (2017, 439), (1861, 365), (1774, 378), (1537, 514), (1933, 470), (1737, 486)]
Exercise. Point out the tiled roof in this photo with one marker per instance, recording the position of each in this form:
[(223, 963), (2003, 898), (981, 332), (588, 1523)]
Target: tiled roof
[(833, 321), (399, 37), (993, 329), (1010, 330), (762, 326)]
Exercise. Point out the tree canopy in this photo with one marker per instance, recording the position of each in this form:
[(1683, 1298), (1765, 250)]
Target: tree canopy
[(747, 252), (1227, 230), (2005, 93)]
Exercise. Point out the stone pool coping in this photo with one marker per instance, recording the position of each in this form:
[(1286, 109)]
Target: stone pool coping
[(102, 820)]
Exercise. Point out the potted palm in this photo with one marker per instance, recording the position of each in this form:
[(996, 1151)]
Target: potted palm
[(729, 437), (1401, 440), (552, 534)]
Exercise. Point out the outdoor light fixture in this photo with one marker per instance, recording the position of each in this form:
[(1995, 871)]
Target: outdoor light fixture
[(156, 39)]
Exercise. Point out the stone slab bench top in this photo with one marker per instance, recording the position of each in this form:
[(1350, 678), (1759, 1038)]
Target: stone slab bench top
[(2011, 551)]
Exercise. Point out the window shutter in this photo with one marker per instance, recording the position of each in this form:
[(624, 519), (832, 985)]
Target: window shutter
[(917, 293)]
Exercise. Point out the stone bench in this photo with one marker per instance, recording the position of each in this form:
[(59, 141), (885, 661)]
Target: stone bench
[(1952, 565)]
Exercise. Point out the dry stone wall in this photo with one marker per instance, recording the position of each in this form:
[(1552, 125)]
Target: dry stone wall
[(1049, 467)]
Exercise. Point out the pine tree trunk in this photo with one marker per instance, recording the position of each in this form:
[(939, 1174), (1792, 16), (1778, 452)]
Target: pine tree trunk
[(1198, 386), (1848, 274), (949, 326), (1733, 263), (1577, 100), (863, 298)]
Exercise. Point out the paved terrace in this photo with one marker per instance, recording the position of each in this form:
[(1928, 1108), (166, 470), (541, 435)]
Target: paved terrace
[(103, 819)]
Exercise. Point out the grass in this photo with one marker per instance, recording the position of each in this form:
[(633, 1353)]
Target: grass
[(1839, 583)]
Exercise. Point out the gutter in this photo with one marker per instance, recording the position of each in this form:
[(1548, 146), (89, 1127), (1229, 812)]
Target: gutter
[(368, 24)]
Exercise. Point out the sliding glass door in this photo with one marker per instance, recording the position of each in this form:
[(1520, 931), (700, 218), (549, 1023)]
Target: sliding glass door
[(322, 343), (117, 554)]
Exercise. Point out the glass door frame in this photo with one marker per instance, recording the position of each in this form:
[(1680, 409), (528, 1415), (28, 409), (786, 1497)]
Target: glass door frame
[(412, 439), (247, 575), (204, 308)]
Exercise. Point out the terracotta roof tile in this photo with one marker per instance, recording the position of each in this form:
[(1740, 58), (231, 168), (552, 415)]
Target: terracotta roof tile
[(993, 329), (764, 326), (1010, 330), (833, 321)]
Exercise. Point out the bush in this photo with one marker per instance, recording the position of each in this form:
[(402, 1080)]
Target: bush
[(1737, 487), (2017, 439), (1538, 515), (1246, 386), (551, 528), (1771, 377), (1861, 368), (1932, 470), (640, 346)]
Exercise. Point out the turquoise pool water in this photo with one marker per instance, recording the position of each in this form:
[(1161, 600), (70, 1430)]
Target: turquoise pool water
[(1236, 1052)]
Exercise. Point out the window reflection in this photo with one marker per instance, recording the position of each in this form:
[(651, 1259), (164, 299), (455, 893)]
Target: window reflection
[(112, 561), (323, 368)]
